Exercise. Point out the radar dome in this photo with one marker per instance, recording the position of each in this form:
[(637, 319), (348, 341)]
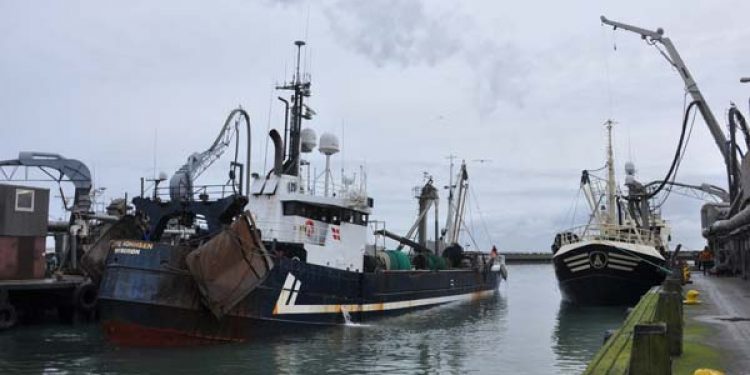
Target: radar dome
[(329, 144), (630, 168), (309, 139)]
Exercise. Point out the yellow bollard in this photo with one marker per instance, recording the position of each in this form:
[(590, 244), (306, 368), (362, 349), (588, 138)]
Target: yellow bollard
[(691, 298), (707, 371), (685, 273)]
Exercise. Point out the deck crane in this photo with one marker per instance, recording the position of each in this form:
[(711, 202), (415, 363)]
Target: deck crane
[(84, 225), (725, 224), (70, 170), (674, 58), (702, 191), (181, 183)]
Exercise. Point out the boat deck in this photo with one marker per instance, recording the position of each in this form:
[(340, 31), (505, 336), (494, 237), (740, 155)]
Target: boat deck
[(61, 282)]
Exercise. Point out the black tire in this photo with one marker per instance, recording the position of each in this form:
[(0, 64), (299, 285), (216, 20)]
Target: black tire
[(85, 297), (8, 316)]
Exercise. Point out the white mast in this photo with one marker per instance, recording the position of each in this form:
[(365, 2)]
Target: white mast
[(611, 184)]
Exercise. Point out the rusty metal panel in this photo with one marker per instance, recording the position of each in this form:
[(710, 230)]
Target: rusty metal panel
[(93, 261), (22, 258), (23, 210), (229, 266)]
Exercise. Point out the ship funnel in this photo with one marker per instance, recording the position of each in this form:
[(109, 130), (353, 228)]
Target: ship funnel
[(278, 151)]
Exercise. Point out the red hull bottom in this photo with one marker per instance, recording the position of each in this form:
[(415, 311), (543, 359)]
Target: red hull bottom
[(129, 334)]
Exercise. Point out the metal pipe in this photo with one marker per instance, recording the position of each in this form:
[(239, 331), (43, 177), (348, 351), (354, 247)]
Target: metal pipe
[(102, 217), (732, 159), (286, 122), (437, 229), (725, 226), (278, 152), (249, 153), (328, 174), (58, 226), (74, 249)]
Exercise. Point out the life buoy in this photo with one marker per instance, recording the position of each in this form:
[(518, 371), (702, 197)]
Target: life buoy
[(85, 297), (309, 228), (8, 316)]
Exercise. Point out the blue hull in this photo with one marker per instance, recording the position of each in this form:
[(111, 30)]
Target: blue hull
[(148, 299)]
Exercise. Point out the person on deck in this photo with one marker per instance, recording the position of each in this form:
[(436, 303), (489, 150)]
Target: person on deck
[(705, 260)]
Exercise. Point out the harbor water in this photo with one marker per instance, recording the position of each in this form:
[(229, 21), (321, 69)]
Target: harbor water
[(524, 329)]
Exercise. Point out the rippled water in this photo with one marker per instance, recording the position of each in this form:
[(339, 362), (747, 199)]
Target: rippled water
[(524, 329)]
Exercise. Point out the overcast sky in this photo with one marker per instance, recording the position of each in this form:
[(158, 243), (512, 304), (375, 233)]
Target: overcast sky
[(526, 85)]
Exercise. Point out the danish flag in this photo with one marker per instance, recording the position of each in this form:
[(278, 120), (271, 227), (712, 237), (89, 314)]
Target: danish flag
[(336, 233)]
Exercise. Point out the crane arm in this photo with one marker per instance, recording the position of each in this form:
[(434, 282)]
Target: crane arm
[(403, 241), (709, 189), (76, 172), (690, 85), (181, 183)]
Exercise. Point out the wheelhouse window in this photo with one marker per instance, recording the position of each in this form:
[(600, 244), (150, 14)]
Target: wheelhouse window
[(24, 200), (327, 214)]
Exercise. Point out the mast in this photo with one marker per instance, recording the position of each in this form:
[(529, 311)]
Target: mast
[(611, 184), (301, 88), (453, 230), (450, 187)]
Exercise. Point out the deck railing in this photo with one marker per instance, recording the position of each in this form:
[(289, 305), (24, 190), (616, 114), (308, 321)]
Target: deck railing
[(608, 232)]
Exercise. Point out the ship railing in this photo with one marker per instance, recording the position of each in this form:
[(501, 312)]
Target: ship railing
[(608, 232), (201, 192), (287, 231)]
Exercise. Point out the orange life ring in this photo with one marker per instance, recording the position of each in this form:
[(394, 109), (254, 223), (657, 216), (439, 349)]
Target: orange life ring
[(309, 227)]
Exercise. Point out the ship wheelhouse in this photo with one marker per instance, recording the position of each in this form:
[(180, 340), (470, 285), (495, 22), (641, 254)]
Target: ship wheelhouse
[(329, 231)]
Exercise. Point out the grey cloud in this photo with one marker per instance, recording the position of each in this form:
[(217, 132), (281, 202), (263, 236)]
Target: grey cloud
[(407, 33), (395, 31)]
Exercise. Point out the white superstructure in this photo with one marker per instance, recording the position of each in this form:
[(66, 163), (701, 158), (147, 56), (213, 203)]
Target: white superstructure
[(332, 230)]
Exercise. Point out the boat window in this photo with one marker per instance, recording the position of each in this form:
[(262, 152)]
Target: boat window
[(24, 200), (360, 218), (327, 214)]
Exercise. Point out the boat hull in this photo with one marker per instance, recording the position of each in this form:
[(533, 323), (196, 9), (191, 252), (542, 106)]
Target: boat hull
[(607, 273), (145, 303)]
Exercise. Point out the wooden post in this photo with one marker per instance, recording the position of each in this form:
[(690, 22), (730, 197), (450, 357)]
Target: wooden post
[(672, 284), (650, 352), (669, 311)]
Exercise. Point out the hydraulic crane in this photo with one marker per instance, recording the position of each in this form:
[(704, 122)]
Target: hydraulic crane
[(181, 183), (674, 58)]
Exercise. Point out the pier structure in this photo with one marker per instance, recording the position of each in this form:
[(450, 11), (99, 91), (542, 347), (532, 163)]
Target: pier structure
[(671, 332)]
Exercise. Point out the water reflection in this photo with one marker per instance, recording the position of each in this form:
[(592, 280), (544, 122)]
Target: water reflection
[(524, 329), (443, 339), (579, 332)]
